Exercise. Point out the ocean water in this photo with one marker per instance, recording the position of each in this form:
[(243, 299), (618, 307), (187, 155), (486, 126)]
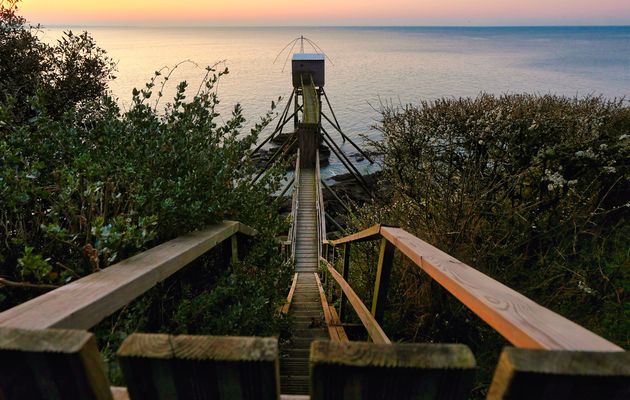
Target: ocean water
[(373, 66)]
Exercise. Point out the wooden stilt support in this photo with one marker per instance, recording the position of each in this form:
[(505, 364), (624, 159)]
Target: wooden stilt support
[(385, 261)]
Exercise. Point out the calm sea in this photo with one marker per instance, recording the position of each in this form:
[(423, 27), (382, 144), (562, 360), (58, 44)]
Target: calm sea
[(371, 66)]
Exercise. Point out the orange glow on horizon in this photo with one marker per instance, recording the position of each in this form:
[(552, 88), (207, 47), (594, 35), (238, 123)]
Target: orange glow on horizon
[(326, 12)]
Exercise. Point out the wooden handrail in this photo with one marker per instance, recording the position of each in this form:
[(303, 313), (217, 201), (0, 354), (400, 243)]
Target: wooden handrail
[(373, 328), (332, 330), (371, 233), (321, 219), (295, 204), (285, 308), (517, 318), (84, 303)]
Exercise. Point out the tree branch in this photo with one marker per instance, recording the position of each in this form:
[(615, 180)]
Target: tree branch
[(6, 282)]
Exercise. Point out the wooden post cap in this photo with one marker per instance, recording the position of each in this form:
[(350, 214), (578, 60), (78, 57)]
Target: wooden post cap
[(51, 364), (576, 375), (358, 370), (158, 366)]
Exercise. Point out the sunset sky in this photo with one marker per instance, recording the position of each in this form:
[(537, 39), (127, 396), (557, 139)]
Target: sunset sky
[(328, 12)]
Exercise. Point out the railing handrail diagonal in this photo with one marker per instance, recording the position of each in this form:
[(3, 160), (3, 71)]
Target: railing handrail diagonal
[(85, 302), (371, 325), (517, 318)]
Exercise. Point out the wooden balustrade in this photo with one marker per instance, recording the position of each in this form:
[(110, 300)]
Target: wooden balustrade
[(517, 318), (369, 322), (84, 303)]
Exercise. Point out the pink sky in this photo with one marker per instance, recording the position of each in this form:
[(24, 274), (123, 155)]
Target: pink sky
[(329, 12)]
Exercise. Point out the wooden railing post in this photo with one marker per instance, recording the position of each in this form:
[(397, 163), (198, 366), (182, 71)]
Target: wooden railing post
[(385, 260), (366, 371), (234, 245), (51, 364), (344, 272), (331, 287)]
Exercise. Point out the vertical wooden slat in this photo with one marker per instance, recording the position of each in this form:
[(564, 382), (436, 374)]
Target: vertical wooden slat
[(526, 374), (365, 371), (51, 364), (234, 246), (381, 285), (200, 367), (345, 271)]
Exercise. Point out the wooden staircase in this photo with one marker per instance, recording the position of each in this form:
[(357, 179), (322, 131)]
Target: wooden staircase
[(306, 307)]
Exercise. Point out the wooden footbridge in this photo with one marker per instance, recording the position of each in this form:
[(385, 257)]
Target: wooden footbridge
[(46, 351)]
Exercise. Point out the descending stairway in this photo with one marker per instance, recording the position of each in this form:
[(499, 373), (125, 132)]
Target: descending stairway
[(306, 307)]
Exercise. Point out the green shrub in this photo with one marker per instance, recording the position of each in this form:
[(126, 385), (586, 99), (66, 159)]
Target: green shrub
[(70, 73), (84, 184), (531, 190)]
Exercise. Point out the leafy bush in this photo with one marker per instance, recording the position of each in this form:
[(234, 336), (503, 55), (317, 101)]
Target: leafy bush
[(531, 190), (84, 184), (68, 74)]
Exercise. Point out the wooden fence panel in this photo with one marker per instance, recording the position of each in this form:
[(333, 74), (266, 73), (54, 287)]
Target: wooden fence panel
[(165, 367), (51, 364), (525, 374), (366, 371)]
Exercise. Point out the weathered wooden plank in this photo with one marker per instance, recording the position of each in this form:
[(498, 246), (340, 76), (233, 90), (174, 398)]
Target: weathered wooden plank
[(371, 233), (381, 285), (332, 332), (336, 323), (320, 201), (84, 303), (345, 271), (520, 320), (374, 329), (234, 249), (365, 371), (200, 367), (526, 374), (119, 393), (51, 364), (287, 305)]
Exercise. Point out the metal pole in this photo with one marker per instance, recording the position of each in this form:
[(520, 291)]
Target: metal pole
[(347, 164), (337, 197), (338, 127)]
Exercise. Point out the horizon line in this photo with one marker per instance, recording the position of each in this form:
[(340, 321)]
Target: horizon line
[(168, 25)]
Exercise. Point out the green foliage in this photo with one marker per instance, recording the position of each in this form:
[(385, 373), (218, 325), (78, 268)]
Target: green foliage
[(84, 184), (211, 297), (532, 190), (70, 73), (33, 265)]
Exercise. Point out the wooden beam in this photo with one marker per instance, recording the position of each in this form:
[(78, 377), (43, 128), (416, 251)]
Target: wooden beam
[(374, 329), (345, 271), (84, 303), (525, 374), (51, 364), (162, 367), (287, 305), (366, 371), (234, 248), (332, 332), (320, 197), (381, 285), (336, 323), (119, 393), (520, 320), (371, 233)]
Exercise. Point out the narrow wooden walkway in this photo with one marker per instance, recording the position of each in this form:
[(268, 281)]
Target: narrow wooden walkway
[(306, 307)]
